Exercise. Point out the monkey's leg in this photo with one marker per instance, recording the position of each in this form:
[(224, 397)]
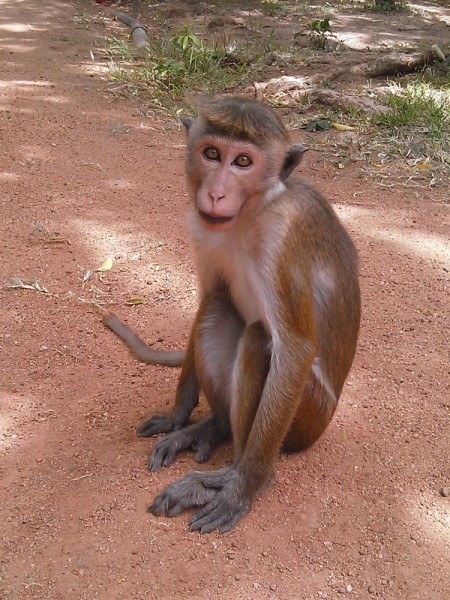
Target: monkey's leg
[(313, 415), (200, 488), (217, 331), (186, 399)]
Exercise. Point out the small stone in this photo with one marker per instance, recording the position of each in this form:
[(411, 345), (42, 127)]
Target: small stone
[(444, 492), (341, 590), (231, 555), (273, 587), (371, 589), (237, 577), (349, 588)]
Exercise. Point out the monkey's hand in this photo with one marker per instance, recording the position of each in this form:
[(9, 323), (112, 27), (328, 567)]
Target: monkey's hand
[(221, 493), (230, 503), (182, 494)]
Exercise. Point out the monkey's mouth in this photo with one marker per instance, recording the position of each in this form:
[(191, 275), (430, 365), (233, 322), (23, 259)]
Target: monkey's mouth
[(210, 219)]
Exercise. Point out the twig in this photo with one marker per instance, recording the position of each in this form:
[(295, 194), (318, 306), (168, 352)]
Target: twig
[(82, 477)]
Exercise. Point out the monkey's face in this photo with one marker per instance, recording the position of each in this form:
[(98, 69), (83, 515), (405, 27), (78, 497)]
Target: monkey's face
[(228, 178)]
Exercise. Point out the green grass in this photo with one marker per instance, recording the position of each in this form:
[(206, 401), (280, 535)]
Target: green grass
[(416, 127), (387, 6), (174, 66)]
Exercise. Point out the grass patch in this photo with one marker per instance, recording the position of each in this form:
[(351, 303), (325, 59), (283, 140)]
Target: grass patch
[(387, 6), (417, 126), (174, 66)]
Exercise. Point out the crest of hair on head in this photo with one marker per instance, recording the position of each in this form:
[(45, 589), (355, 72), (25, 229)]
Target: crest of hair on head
[(241, 119)]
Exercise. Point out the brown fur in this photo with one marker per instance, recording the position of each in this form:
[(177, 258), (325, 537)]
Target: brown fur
[(277, 326)]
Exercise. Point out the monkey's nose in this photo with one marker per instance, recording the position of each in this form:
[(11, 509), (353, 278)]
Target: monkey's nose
[(216, 196)]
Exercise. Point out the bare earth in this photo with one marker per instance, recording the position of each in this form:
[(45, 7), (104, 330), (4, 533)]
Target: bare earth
[(360, 515)]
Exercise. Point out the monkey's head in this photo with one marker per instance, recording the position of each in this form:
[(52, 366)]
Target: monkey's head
[(239, 154)]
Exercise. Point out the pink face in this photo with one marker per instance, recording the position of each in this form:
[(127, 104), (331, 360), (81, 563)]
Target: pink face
[(229, 174)]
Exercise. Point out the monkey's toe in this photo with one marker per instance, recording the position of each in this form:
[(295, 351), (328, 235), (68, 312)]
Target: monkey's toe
[(156, 424), (167, 448)]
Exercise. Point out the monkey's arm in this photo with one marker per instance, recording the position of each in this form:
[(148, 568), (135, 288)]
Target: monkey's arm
[(236, 487), (141, 351)]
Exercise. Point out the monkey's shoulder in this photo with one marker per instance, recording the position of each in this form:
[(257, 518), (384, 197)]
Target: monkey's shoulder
[(303, 209), (308, 222), (306, 197)]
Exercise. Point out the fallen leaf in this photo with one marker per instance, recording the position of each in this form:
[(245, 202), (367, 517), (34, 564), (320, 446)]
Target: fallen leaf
[(136, 300), (342, 127), (105, 266)]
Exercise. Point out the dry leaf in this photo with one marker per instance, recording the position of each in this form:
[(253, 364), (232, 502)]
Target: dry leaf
[(105, 266), (17, 282), (136, 300), (342, 127)]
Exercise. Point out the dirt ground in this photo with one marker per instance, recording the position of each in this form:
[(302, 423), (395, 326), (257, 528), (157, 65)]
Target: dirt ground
[(362, 514)]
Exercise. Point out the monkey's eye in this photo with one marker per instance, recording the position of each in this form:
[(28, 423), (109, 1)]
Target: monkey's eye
[(211, 153), (243, 161)]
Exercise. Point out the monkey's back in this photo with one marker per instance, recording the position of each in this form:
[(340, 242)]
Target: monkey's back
[(317, 232)]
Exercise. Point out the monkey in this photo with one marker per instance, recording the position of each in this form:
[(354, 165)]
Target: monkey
[(277, 324)]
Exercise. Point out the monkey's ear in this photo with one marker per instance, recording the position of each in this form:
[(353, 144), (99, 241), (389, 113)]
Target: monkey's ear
[(187, 122), (293, 159)]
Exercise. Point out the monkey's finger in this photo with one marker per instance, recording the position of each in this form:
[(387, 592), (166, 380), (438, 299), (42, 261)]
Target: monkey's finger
[(217, 515), (160, 505), (203, 516), (195, 497), (175, 510), (203, 453)]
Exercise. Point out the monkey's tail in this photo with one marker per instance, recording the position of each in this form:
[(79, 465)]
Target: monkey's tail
[(140, 349)]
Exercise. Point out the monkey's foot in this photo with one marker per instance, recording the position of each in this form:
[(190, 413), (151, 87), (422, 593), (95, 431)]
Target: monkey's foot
[(202, 437), (219, 492), (159, 424)]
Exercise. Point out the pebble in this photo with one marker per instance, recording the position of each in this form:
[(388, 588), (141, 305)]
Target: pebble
[(371, 589), (445, 492), (273, 587)]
